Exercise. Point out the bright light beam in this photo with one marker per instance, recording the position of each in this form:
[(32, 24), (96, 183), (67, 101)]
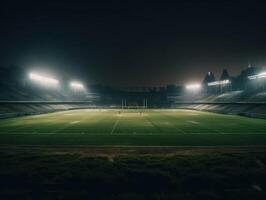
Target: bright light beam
[(224, 82), (258, 76), (76, 85), (193, 87), (43, 79)]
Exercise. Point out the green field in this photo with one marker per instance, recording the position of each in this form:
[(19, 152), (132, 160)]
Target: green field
[(169, 127), (92, 154)]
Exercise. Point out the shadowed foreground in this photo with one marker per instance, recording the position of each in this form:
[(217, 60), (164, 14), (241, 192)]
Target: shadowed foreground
[(43, 173)]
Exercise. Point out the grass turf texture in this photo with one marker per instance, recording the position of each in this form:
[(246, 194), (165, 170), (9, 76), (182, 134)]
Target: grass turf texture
[(42, 174), (159, 127)]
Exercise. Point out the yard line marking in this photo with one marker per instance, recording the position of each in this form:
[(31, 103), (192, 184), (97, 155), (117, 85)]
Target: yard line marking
[(74, 122), (193, 122), (60, 129), (177, 127), (115, 125), (66, 126), (153, 124), (205, 126)]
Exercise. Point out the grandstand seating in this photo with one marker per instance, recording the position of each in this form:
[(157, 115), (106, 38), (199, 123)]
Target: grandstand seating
[(18, 109), (245, 109)]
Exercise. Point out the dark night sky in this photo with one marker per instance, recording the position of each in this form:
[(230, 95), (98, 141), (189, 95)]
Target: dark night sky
[(133, 43)]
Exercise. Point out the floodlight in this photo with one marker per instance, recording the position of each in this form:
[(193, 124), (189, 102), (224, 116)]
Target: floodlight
[(76, 85), (193, 86), (224, 82), (252, 77), (262, 75), (258, 76), (43, 79)]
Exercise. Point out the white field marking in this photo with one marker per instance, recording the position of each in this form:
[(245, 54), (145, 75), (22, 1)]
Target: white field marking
[(176, 127), (180, 130), (115, 125), (144, 114), (256, 187), (156, 126), (74, 122), (193, 122), (62, 128), (137, 114), (165, 123), (199, 124), (206, 127)]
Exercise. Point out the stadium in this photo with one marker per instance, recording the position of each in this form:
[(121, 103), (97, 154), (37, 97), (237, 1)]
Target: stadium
[(128, 132), (120, 100)]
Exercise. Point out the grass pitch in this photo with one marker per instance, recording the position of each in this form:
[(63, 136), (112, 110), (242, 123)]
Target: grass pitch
[(64, 155), (170, 127)]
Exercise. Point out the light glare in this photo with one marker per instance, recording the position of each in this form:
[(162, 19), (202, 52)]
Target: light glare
[(76, 85), (43, 79), (224, 82), (258, 76), (193, 86)]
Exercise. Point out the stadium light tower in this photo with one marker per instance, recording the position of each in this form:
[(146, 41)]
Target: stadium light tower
[(220, 85), (76, 86), (260, 79), (44, 80)]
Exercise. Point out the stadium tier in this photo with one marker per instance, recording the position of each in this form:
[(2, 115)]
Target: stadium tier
[(34, 93)]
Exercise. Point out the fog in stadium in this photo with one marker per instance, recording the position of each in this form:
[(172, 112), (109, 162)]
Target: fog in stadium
[(132, 100)]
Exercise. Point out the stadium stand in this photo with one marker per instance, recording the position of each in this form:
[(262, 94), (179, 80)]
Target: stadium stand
[(21, 97), (15, 109), (236, 96), (257, 110), (236, 102)]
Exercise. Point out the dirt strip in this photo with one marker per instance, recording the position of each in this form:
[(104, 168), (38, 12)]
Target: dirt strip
[(111, 151)]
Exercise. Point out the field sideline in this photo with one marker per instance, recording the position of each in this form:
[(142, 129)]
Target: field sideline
[(154, 127)]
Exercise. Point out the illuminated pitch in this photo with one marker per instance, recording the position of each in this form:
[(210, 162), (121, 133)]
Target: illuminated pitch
[(169, 127)]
